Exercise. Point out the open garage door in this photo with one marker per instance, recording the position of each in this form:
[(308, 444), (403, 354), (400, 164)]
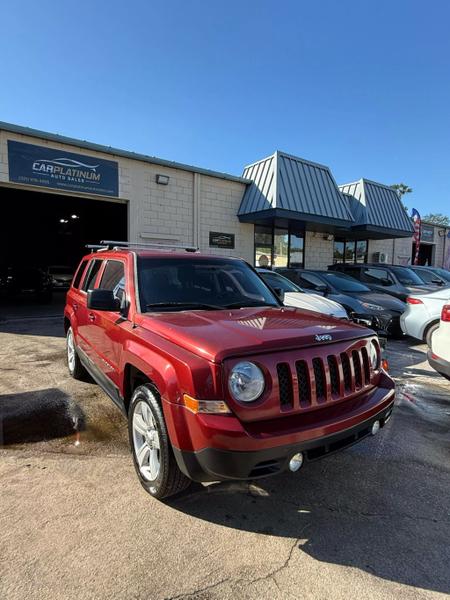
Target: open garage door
[(41, 232)]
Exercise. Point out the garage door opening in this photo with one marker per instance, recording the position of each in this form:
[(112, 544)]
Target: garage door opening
[(49, 232)]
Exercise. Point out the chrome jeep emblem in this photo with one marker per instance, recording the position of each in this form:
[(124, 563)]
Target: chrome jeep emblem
[(324, 337)]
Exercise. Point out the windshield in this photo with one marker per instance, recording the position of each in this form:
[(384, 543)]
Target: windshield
[(406, 276), (429, 275), (344, 283), (443, 273), (171, 284), (278, 281)]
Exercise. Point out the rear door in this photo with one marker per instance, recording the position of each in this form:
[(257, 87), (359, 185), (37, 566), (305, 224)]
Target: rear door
[(84, 280)]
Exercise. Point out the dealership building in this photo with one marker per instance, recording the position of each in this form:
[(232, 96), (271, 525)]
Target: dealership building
[(59, 194)]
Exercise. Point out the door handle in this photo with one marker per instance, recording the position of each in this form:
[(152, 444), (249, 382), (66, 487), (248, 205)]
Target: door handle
[(91, 317)]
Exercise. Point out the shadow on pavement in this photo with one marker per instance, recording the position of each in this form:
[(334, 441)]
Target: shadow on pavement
[(41, 326), (381, 506), (38, 415), (31, 318)]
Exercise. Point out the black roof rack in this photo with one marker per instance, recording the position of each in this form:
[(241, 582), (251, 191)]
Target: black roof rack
[(116, 245)]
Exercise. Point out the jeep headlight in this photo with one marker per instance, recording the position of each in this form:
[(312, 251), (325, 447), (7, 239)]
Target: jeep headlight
[(246, 382), (374, 355)]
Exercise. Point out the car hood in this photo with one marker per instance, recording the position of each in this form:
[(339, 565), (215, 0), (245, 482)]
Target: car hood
[(385, 300), (220, 334), (314, 302)]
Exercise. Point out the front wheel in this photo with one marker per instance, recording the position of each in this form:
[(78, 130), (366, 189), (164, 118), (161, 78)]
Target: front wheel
[(76, 369), (153, 458)]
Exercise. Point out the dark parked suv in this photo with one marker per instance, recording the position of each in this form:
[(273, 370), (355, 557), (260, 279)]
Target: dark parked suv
[(398, 281), (379, 311), (217, 378)]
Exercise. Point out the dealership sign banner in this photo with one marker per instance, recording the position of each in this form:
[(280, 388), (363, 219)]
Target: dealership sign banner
[(417, 221), (221, 240), (58, 169)]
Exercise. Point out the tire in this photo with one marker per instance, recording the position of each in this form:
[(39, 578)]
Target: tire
[(429, 332), (153, 457), (74, 365)]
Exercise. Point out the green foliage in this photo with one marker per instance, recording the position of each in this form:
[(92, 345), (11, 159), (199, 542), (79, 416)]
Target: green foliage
[(437, 219)]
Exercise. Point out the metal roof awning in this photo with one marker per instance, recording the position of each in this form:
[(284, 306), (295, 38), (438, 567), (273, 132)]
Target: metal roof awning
[(377, 210), (287, 187)]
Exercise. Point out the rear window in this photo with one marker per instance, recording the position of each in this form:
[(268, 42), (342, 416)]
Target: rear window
[(406, 276), (93, 269), (79, 275), (345, 283)]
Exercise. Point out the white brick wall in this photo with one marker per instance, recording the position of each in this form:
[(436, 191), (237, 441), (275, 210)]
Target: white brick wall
[(318, 251), (218, 205)]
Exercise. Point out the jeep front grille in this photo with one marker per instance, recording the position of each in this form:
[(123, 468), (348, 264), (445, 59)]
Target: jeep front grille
[(307, 383)]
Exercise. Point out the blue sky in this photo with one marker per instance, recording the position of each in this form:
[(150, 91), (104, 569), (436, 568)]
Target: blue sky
[(361, 86)]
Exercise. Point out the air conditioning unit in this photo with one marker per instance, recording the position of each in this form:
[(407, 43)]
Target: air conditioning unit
[(380, 257)]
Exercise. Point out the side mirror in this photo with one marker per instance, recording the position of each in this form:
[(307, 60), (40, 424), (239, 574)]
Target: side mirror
[(102, 300), (322, 289), (437, 281), (385, 282), (280, 293)]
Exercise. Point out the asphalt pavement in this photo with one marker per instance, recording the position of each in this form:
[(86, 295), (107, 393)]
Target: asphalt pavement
[(370, 522)]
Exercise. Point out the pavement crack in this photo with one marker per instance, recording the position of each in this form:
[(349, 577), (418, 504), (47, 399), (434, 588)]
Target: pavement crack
[(197, 591)]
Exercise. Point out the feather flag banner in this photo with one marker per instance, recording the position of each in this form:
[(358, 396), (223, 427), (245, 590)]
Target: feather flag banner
[(416, 236)]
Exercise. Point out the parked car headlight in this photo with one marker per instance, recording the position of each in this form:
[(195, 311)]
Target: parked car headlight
[(371, 306), (374, 355), (246, 382)]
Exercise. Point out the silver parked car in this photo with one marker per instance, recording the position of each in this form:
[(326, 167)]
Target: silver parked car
[(422, 314), (293, 295)]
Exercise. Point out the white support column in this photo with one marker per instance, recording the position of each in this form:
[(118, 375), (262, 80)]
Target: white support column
[(196, 211)]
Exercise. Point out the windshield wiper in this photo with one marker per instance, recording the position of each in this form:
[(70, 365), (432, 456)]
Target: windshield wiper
[(188, 305), (247, 303)]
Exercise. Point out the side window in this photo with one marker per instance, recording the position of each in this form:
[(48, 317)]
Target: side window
[(79, 274), (92, 271), (113, 279), (311, 282), (380, 276)]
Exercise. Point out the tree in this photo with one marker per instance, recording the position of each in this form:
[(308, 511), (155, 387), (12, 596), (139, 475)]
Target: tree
[(402, 189), (437, 219)]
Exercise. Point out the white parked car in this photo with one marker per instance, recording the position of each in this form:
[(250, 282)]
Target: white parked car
[(295, 296), (439, 352), (422, 314)]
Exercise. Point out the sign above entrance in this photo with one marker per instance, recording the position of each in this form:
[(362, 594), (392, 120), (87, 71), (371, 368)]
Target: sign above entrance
[(221, 240), (58, 169), (427, 233)]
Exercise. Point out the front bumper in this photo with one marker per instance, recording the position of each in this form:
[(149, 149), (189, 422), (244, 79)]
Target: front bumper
[(439, 364), (223, 448), (385, 323), (212, 464)]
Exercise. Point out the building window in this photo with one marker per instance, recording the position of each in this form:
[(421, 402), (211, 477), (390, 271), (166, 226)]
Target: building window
[(263, 246), (296, 250), (280, 248), (350, 251), (277, 247), (361, 251)]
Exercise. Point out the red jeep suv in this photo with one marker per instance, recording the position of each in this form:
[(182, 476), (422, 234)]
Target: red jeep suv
[(217, 378)]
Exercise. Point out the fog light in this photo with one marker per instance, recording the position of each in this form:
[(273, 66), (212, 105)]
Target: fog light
[(375, 428), (296, 462)]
